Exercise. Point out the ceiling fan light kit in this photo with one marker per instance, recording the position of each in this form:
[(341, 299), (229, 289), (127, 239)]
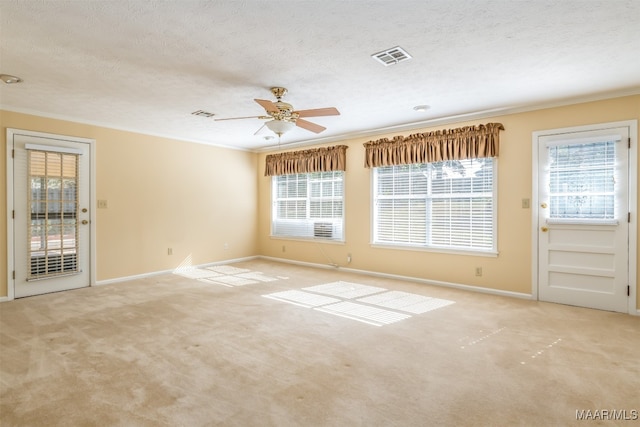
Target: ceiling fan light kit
[(279, 127), (284, 118)]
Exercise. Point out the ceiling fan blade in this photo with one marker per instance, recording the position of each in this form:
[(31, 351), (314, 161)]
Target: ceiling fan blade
[(248, 117), (261, 127), (317, 112), (267, 105), (309, 126)]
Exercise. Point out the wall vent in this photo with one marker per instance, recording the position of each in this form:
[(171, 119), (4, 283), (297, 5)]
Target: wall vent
[(391, 56), (203, 113)]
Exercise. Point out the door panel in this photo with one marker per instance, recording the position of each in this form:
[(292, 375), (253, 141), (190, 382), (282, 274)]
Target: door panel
[(583, 231), (52, 235)]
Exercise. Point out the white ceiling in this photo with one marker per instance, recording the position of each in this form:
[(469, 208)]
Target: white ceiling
[(145, 66)]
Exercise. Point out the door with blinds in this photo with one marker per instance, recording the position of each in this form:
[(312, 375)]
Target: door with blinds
[(583, 229), (51, 217)]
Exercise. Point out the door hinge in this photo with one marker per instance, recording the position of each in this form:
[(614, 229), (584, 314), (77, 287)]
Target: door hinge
[(628, 290), (629, 142), (629, 217), (13, 214), (14, 275)]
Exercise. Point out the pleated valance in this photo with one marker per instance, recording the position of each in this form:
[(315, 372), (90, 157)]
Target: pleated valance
[(325, 159), (469, 142)]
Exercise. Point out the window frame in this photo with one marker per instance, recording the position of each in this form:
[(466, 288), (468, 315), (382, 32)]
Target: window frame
[(491, 252), (309, 222)]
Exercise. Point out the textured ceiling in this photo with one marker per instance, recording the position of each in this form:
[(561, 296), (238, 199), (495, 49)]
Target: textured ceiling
[(145, 66)]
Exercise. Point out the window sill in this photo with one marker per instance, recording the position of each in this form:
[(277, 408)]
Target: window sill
[(489, 254)]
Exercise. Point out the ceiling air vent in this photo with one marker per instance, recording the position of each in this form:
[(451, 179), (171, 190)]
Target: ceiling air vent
[(203, 113), (391, 56)]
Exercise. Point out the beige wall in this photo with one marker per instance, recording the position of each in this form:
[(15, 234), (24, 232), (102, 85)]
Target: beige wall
[(511, 270), (161, 194), (164, 193)]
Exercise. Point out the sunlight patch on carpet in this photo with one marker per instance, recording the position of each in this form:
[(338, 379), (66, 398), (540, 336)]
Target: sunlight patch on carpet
[(345, 289), (374, 305), (196, 273), (225, 275), (228, 269), (211, 281), (256, 275), (404, 301), (363, 313), (304, 299), (233, 280)]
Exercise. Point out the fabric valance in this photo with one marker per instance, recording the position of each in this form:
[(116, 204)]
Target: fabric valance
[(467, 142), (325, 159)]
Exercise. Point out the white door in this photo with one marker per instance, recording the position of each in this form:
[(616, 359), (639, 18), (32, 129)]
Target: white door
[(51, 217), (583, 208)]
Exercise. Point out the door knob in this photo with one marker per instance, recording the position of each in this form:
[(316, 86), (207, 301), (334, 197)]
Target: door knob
[(85, 222), (544, 229), (543, 206)]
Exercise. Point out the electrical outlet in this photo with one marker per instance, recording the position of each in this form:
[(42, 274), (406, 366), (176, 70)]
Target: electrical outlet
[(348, 258), (478, 271), (284, 249), (102, 204), (525, 203), (170, 251), (226, 246)]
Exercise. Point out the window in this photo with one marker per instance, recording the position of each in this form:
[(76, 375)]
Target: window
[(308, 205), (53, 204), (582, 181), (447, 205)]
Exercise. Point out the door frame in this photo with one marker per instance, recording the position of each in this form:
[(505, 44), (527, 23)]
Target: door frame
[(11, 132), (632, 190)]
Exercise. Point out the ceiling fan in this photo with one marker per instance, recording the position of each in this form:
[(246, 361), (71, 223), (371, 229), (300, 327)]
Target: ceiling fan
[(283, 117)]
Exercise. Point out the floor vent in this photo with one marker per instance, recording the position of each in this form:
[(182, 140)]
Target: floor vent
[(391, 56)]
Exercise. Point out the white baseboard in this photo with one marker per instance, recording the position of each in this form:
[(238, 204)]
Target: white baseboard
[(128, 278), (303, 263), (4, 299), (156, 273), (409, 279)]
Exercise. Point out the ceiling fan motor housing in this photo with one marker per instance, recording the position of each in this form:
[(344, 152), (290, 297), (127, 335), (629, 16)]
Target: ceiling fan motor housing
[(285, 111), (279, 92)]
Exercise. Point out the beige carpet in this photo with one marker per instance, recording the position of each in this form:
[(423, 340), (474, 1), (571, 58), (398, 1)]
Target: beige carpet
[(207, 348)]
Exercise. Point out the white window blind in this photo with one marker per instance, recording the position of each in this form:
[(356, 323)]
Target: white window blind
[(308, 205), (582, 181), (53, 205), (442, 205)]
